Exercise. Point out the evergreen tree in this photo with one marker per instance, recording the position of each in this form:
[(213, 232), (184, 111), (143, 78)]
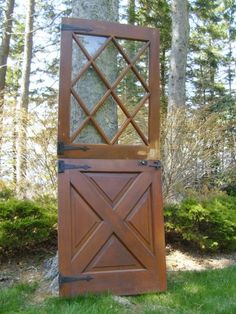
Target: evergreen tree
[(157, 13)]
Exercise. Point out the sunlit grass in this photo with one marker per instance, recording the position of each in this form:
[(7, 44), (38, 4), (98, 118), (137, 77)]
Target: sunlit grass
[(212, 291)]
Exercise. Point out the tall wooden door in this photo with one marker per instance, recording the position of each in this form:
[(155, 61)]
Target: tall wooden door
[(111, 235)]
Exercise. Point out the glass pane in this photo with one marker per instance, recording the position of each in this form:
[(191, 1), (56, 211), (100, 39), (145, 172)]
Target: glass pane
[(142, 65), (141, 118), (131, 47), (130, 137), (131, 91), (90, 88), (121, 117), (77, 115), (78, 60), (92, 43), (111, 62), (106, 117), (89, 135)]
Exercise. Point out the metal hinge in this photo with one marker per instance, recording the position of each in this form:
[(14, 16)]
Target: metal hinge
[(75, 28), (61, 147), (156, 163), (62, 166), (67, 279)]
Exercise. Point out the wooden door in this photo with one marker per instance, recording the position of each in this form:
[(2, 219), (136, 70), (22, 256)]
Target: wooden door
[(131, 88), (111, 234)]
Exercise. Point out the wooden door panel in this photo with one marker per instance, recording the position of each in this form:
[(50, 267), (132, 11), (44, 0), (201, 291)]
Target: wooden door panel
[(136, 116), (109, 226), (86, 189)]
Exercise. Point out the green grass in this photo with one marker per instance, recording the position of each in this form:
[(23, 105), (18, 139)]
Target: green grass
[(212, 291)]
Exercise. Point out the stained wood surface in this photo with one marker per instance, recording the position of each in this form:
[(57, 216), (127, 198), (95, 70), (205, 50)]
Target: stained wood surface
[(110, 148), (111, 228)]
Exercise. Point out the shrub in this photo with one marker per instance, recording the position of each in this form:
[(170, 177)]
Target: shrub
[(230, 189), (5, 191), (25, 224), (208, 223)]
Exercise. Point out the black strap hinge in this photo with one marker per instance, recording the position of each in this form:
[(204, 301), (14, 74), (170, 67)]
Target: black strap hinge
[(67, 279), (61, 147), (62, 166), (75, 28)]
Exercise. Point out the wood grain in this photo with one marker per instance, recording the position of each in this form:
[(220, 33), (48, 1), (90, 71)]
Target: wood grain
[(111, 227), (150, 36)]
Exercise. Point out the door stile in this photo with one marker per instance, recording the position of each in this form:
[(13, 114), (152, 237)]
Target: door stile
[(159, 233), (64, 237), (64, 87), (154, 85)]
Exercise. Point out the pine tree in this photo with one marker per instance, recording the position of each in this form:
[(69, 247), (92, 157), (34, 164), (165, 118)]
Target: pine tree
[(157, 13)]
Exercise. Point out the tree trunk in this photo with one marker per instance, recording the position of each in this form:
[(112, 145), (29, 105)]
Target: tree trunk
[(106, 116), (103, 10), (176, 96), (178, 57), (24, 100), (4, 52), (164, 104)]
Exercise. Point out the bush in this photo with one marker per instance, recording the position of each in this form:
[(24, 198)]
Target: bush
[(208, 223), (25, 224), (5, 191), (230, 189)]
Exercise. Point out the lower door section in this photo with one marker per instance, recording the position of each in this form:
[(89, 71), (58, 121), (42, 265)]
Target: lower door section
[(111, 234)]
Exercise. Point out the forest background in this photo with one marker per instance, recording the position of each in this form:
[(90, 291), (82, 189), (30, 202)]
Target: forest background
[(198, 135)]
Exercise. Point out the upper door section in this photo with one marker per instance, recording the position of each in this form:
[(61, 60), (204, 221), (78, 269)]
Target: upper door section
[(109, 91)]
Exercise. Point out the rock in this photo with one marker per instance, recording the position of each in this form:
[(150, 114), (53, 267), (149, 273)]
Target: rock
[(54, 287), (51, 267), (122, 300), (51, 273)]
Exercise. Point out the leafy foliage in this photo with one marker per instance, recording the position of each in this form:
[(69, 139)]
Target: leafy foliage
[(25, 224), (208, 222)]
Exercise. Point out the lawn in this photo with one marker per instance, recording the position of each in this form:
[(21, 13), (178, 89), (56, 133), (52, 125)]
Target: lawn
[(211, 291)]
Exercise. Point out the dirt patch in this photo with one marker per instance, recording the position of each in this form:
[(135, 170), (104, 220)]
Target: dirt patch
[(22, 270), (180, 260)]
